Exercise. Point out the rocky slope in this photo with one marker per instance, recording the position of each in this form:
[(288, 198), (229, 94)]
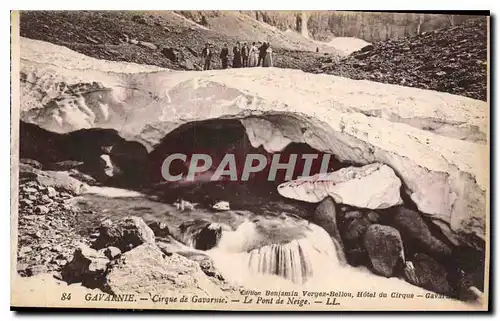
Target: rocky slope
[(53, 242), (165, 38), (453, 60)]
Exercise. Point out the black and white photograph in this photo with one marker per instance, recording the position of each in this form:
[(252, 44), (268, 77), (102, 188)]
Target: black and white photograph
[(250, 160)]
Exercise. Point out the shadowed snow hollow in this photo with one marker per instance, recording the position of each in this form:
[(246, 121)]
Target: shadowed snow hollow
[(363, 122)]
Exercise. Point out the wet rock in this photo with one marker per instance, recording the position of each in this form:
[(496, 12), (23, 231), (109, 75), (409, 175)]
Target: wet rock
[(200, 234), (221, 206), (384, 247), (429, 274), (183, 205), (87, 266), (125, 234), (356, 229), (356, 256), (160, 229), (416, 234), (325, 216), (373, 186), (147, 269), (352, 233)]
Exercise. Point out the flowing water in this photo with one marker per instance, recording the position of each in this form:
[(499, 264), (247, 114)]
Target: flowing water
[(281, 252)]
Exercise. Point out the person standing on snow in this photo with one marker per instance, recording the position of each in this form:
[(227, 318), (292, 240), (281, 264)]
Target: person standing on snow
[(237, 56), (268, 58), (262, 53), (244, 55), (224, 54), (207, 55), (253, 55)]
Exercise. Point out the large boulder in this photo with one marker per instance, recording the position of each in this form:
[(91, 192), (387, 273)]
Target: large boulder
[(147, 269), (325, 216), (200, 234), (59, 180), (124, 234), (170, 246), (87, 266), (384, 247), (429, 274), (416, 233), (428, 138), (373, 186)]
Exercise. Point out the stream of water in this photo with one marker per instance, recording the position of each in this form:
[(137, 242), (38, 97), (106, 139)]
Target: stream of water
[(281, 253)]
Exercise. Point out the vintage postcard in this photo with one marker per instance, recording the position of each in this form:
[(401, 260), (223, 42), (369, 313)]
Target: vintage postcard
[(250, 160)]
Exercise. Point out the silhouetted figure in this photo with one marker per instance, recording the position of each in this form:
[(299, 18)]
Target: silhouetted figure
[(207, 55), (224, 54), (237, 56), (262, 53), (244, 55), (317, 49)]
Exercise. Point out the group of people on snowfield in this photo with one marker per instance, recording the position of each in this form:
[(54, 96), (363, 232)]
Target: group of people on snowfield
[(260, 54)]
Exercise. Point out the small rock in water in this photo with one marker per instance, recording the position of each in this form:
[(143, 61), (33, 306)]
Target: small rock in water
[(160, 229), (200, 234), (221, 206), (183, 205)]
